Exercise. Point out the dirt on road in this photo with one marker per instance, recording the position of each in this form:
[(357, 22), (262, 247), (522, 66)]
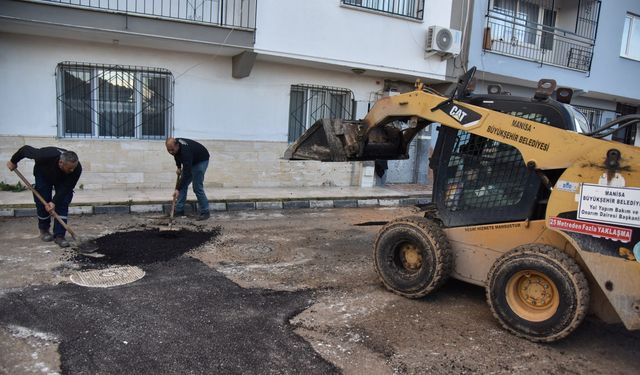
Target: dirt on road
[(352, 321)]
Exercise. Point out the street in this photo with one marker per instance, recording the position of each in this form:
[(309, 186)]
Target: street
[(259, 292)]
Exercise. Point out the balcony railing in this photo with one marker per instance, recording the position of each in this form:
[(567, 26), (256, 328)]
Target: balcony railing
[(535, 42), (404, 8), (228, 13)]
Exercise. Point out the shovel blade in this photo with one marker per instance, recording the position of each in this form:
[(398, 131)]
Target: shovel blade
[(85, 246)]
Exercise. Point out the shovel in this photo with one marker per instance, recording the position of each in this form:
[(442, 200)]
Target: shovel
[(170, 228), (83, 246)]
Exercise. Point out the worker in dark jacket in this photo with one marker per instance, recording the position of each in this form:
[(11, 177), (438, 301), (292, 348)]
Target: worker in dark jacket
[(57, 169), (192, 160)]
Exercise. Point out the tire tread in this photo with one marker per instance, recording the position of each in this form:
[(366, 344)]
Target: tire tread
[(441, 247), (568, 264)]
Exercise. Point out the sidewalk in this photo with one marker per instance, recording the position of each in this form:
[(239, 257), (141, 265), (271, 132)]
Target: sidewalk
[(226, 199)]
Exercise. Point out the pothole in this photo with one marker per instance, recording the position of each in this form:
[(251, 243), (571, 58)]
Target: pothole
[(107, 277)]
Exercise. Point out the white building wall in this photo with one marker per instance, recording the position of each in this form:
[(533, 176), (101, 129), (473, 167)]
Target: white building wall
[(208, 102), (325, 31), (244, 122)]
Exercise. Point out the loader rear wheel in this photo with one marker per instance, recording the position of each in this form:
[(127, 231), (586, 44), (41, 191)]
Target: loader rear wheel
[(538, 292), (412, 256)]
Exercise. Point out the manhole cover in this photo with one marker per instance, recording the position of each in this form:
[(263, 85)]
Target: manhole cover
[(107, 277), (258, 249)]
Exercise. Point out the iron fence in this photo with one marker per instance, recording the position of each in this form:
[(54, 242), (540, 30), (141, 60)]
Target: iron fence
[(230, 13), (405, 8)]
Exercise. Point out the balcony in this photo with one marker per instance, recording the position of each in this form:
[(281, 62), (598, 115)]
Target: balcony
[(230, 13), (517, 33), (413, 9), (157, 23)]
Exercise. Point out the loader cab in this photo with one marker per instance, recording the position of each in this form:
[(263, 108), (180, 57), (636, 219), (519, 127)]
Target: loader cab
[(481, 181)]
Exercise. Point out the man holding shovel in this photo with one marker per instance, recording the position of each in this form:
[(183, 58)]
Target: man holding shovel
[(192, 160), (55, 168)]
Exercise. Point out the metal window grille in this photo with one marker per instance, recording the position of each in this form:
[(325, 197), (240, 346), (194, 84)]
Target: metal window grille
[(406, 8), (587, 19), (485, 174), (234, 13), (114, 101), (310, 103), (594, 116)]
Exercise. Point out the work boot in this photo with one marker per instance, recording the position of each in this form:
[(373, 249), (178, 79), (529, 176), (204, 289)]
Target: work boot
[(203, 216), (60, 241), (45, 235)]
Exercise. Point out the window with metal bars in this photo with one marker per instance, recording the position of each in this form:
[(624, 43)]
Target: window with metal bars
[(114, 101), (310, 103), (587, 19), (592, 115), (405, 8)]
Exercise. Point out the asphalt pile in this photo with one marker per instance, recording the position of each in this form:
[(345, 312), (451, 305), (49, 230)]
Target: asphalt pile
[(142, 247)]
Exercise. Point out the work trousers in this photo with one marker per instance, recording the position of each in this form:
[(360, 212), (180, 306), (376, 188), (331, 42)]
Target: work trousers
[(197, 179), (45, 189)]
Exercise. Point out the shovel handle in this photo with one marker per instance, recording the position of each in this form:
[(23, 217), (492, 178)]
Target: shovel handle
[(173, 202), (44, 202)]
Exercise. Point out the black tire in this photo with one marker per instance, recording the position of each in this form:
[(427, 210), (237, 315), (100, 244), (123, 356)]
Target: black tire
[(538, 292), (412, 256)]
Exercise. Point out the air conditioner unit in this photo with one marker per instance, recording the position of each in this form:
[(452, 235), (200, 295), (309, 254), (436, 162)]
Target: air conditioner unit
[(443, 41)]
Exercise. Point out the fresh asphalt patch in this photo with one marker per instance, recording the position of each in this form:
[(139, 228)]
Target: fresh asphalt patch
[(182, 317), (141, 247)]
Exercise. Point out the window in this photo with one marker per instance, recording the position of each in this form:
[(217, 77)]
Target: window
[(405, 8), (631, 37), (518, 21), (309, 103), (112, 101)]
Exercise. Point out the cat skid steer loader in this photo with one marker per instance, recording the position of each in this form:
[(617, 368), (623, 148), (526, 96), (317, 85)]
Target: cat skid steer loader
[(546, 218)]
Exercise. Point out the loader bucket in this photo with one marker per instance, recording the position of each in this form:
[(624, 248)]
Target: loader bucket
[(339, 140), (319, 142)]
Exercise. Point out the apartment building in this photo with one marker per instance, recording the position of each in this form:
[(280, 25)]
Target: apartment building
[(590, 46), (111, 79)]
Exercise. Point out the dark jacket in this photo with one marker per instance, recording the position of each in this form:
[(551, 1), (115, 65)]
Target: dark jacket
[(190, 153), (46, 159)]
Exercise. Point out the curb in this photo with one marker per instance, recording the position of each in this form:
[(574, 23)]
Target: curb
[(217, 206)]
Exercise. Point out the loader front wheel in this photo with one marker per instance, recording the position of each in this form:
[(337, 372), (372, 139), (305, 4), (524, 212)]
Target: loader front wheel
[(412, 256), (538, 292)]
